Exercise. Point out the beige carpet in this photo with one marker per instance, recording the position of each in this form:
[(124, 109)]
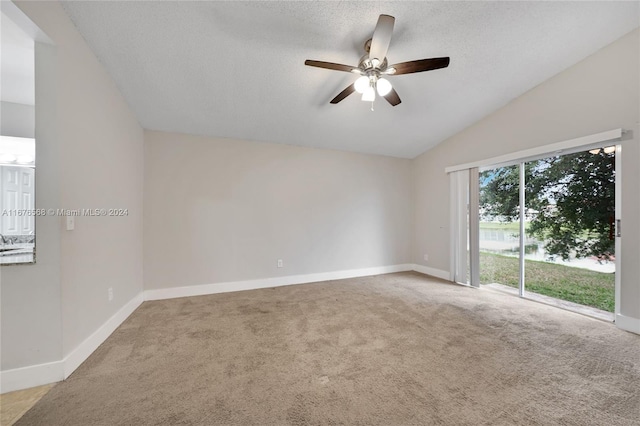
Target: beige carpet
[(392, 349)]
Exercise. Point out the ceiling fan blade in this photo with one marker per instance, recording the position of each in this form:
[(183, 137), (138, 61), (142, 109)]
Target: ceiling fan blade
[(381, 38), (420, 65), (392, 97), (330, 66), (346, 92)]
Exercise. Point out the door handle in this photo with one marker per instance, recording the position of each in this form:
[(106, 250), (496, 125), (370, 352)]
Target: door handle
[(612, 228)]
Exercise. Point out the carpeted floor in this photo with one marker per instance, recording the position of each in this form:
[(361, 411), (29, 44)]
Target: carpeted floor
[(392, 349)]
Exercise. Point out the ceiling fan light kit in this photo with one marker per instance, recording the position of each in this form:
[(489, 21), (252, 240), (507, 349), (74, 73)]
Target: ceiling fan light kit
[(373, 65), (381, 85)]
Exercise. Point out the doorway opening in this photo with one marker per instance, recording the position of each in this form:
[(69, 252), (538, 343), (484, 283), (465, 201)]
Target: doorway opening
[(17, 141)]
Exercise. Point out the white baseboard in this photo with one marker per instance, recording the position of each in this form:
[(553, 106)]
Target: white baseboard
[(28, 377), (438, 273), (225, 287), (91, 343), (628, 323), (42, 374)]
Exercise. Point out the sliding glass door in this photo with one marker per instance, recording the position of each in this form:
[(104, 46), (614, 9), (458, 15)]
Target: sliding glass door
[(499, 226), (547, 226), (570, 202)]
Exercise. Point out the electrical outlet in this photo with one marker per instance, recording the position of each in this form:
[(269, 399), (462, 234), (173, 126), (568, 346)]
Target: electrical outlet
[(426, 257), (280, 264), (110, 293)]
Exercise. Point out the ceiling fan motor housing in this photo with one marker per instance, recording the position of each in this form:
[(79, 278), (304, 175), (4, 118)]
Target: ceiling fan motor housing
[(366, 65)]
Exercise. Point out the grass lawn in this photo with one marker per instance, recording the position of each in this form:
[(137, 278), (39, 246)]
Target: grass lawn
[(576, 285), (506, 226)]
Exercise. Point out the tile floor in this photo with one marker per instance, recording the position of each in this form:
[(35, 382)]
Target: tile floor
[(14, 404)]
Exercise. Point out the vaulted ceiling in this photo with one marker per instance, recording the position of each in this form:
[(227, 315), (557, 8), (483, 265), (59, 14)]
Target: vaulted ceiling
[(236, 69)]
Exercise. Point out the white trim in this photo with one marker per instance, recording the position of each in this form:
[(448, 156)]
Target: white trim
[(91, 343), (51, 372), (30, 376), (438, 273), (225, 287), (628, 323), (42, 374), (542, 151)]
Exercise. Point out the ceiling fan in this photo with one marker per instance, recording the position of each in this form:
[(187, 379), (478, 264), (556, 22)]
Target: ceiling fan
[(373, 66)]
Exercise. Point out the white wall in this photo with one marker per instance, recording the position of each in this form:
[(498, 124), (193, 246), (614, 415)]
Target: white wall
[(600, 93), (89, 149), (17, 120), (220, 210)]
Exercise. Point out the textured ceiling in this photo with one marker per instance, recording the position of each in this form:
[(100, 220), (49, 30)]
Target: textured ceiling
[(236, 69)]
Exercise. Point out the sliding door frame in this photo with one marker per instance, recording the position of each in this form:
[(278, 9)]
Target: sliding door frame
[(521, 218), (608, 138), (618, 231)]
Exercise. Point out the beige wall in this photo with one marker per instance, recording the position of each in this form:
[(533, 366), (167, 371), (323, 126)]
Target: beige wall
[(225, 210), (219, 210), (89, 155), (598, 94)]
